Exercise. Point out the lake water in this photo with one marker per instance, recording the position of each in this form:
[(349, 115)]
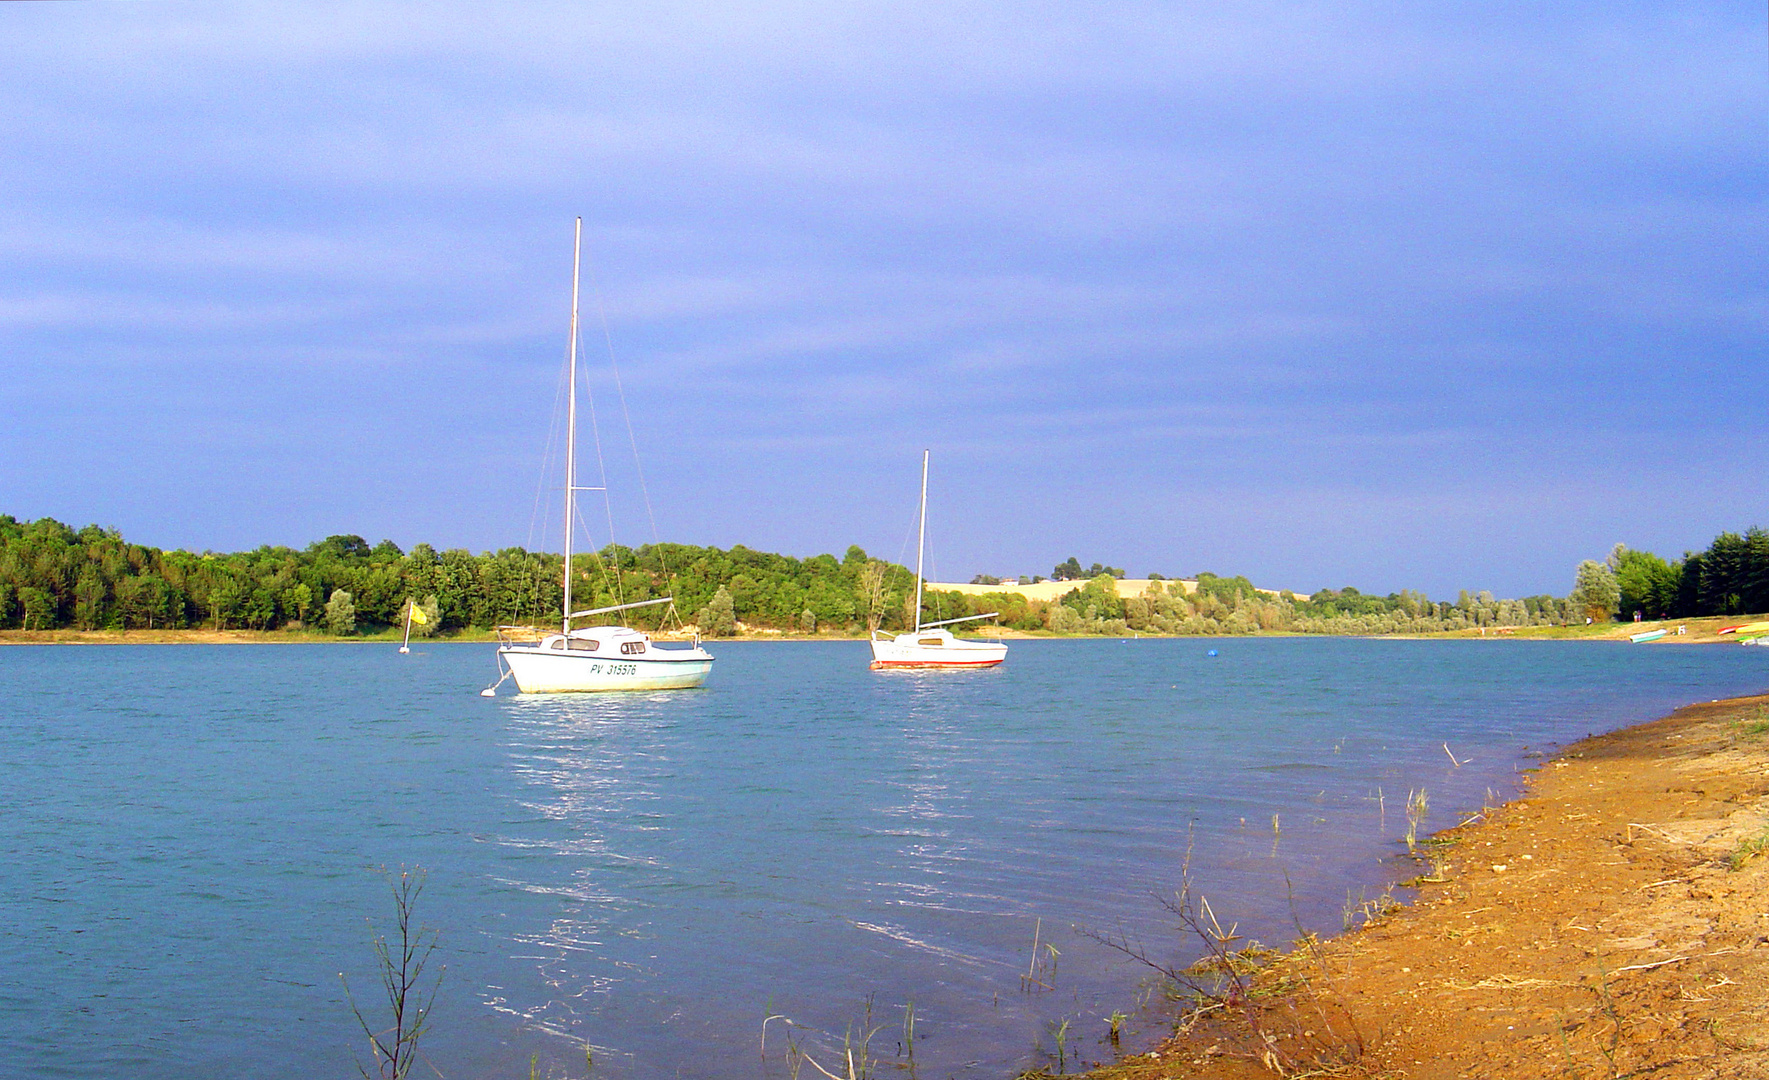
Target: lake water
[(192, 836)]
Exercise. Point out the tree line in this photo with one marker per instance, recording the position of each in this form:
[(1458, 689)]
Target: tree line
[(53, 576), (1730, 577)]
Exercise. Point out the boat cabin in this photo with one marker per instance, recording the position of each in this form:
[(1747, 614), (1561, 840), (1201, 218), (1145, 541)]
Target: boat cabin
[(611, 641)]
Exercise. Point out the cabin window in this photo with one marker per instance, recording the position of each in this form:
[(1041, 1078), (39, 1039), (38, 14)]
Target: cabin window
[(632, 648), (557, 644), (585, 644), (930, 641)]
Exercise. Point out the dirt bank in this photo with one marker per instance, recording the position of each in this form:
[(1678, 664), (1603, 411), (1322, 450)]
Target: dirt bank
[(1613, 922)]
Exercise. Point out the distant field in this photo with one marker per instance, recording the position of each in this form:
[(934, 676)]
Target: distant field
[(1050, 590)]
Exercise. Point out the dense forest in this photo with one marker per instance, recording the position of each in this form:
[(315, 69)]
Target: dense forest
[(53, 576)]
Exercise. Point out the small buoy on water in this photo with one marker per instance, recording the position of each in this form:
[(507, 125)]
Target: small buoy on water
[(488, 692), (404, 649), (1212, 652)]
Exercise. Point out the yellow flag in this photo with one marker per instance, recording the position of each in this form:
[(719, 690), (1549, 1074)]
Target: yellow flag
[(418, 615)]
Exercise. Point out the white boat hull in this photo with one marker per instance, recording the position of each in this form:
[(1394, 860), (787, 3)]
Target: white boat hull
[(935, 649), (539, 670)]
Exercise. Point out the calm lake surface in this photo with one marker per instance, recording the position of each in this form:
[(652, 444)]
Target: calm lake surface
[(191, 838)]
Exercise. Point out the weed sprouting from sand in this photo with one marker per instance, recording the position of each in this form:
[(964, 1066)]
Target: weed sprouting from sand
[(410, 995), (1757, 726), (1606, 1005), (1747, 850), (1364, 911), (1434, 855), (1437, 861), (1565, 1043), (1732, 1043)]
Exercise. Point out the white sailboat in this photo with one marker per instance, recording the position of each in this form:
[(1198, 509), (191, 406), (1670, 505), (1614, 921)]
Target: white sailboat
[(601, 657), (930, 645)]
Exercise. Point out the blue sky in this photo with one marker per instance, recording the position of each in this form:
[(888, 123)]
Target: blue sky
[(1396, 295)]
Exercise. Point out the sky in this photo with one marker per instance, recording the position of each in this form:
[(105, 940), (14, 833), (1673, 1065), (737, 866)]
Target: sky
[(1391, 295)]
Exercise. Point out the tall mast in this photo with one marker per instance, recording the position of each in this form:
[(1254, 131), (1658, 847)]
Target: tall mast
[(921, 540), (571, 428)]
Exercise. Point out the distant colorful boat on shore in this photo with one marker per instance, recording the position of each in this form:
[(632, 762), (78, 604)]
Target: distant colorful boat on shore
[(1745, 628), (929, 645), (1643, 638)]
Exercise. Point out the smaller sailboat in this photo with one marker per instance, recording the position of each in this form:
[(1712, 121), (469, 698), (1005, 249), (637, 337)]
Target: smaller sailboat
[(931, 645), (597, 657)]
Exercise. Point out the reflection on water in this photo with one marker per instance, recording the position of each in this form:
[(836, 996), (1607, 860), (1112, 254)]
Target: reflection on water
[(652, 875), (810, 835)]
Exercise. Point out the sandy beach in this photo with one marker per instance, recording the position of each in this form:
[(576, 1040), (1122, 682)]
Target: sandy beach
[(1612, 922)]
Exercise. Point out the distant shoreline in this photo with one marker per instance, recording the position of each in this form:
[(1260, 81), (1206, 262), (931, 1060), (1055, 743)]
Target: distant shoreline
[(1699, 631)]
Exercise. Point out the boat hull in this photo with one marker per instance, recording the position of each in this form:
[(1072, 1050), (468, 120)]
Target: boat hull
[(954, 655), (538, 671)]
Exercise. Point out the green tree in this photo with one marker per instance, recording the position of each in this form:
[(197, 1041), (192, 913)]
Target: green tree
[(1647, 583), (719, 617), (39, 607), (224, 601), (872, 593), (1594, 593), (297, 602), (341, 613), (89, 596), (143, 600)]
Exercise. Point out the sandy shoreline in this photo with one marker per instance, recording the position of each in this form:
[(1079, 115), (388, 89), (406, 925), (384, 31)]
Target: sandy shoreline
[(1612, 921)]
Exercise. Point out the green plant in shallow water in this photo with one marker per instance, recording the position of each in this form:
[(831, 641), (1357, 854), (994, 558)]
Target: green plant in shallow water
[(1417, 806), (410, 994), (854, 1060), (1115, 1024)]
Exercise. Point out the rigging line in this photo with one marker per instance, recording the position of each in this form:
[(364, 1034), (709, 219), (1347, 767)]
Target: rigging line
[(555, 424), (933, 574), (627, 416), (902, 557), (543, 512), (620, 390), (607, 501)]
